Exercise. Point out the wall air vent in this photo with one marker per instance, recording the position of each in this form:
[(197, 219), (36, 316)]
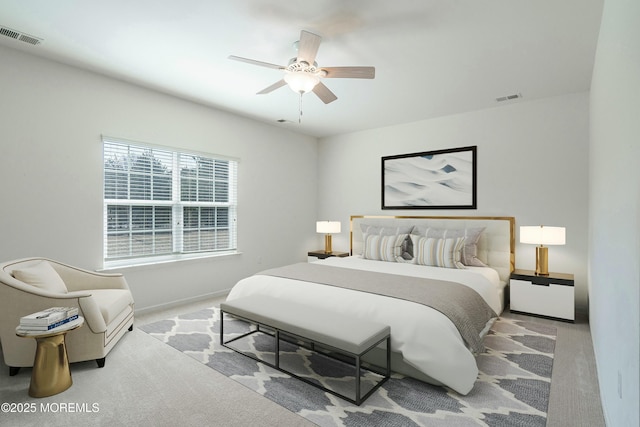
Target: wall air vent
[(8, 32), (509, 97)]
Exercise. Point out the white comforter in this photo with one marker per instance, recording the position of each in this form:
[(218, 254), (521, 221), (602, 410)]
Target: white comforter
[(426, 338)]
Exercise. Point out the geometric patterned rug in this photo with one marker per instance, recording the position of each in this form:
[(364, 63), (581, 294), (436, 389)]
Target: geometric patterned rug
[(512, 388)]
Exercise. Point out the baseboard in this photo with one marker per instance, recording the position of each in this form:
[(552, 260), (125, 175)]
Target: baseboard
[(176, 303)]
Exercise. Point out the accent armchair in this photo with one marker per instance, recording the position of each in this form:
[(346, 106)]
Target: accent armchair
[(33, 284)]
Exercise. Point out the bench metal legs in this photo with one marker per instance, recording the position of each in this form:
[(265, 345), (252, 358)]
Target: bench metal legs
[(276, 365)]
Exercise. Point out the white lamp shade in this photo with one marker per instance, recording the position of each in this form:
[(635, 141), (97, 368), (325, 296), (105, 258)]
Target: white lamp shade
[(300, 81), (328, 227), (542, 235)]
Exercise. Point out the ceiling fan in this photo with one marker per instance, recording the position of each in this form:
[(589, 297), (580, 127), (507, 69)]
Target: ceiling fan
[(303, 74)]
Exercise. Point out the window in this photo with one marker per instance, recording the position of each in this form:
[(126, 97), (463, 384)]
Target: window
[(166, 204)]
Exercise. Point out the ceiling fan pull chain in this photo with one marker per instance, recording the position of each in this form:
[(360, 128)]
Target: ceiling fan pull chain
[(300, 109)]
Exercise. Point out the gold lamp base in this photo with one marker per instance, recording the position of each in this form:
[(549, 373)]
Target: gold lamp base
[(542, 261), (327, 244)]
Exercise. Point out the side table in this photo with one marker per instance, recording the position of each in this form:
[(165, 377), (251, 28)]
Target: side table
[(548, 296), (50, 374), (321, 254)]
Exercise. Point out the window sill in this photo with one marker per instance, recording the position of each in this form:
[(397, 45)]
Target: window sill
[(154, 261)]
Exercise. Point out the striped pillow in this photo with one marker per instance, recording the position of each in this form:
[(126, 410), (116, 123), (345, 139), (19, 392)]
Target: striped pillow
[(469, 254), (406, 254), (437, 252), (383, 248)]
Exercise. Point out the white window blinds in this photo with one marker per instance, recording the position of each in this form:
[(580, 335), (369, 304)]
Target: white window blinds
[(159, 202)]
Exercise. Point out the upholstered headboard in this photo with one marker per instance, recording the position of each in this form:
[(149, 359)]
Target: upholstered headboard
[(496, 246)]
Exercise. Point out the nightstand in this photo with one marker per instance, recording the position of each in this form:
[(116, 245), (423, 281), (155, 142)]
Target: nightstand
[(320, 254), (547, 296)]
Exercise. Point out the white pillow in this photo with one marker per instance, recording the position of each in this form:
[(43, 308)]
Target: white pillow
[(41, 275), (437, 252)]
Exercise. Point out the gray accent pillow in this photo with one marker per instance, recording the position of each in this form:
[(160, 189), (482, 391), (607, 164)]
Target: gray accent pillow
[(471, 235), (406, 249)]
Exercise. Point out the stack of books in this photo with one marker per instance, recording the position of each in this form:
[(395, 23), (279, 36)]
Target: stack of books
[(48, 319)]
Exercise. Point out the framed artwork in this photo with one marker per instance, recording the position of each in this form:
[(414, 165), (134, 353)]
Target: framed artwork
[(441, 179)]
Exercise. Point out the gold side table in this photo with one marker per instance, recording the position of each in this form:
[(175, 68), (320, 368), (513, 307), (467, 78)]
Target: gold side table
[(50, 374)]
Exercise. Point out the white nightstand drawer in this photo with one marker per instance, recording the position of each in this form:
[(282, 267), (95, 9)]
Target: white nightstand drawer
[(551, 300)]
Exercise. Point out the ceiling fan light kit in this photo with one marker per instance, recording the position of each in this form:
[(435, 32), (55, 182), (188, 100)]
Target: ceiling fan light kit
[(301, 81), (303, 75)]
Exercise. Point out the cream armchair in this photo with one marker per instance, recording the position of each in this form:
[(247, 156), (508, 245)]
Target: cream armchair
[(34, 284)]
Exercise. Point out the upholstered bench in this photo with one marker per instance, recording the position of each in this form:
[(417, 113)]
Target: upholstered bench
[(326, 329)]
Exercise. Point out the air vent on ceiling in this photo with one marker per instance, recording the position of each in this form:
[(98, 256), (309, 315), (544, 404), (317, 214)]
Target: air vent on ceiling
[(8, 32), (509, 97)]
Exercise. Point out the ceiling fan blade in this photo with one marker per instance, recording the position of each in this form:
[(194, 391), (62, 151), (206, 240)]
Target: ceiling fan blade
[(324, 93), (254, 62), (308, 47), (350, 72), (273, 87)]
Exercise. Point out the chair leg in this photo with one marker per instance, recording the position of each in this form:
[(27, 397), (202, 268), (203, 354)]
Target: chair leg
[(100, 362), (13, 370), (130, 328)]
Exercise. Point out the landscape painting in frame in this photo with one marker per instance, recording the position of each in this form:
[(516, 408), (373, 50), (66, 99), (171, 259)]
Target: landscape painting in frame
[(441, 179)]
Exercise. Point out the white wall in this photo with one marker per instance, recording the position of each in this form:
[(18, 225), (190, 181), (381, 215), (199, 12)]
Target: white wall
[(532, 164), (51, 120), (614, 212)]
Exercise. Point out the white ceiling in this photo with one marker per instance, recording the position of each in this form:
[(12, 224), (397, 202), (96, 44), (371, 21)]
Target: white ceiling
[(432, 57)]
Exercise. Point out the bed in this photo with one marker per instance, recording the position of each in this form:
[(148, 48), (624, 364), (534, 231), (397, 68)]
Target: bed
[(426, 344)]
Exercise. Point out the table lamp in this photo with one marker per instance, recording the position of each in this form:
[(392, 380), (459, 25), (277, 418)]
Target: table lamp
[(541, 235), (327, 228)]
